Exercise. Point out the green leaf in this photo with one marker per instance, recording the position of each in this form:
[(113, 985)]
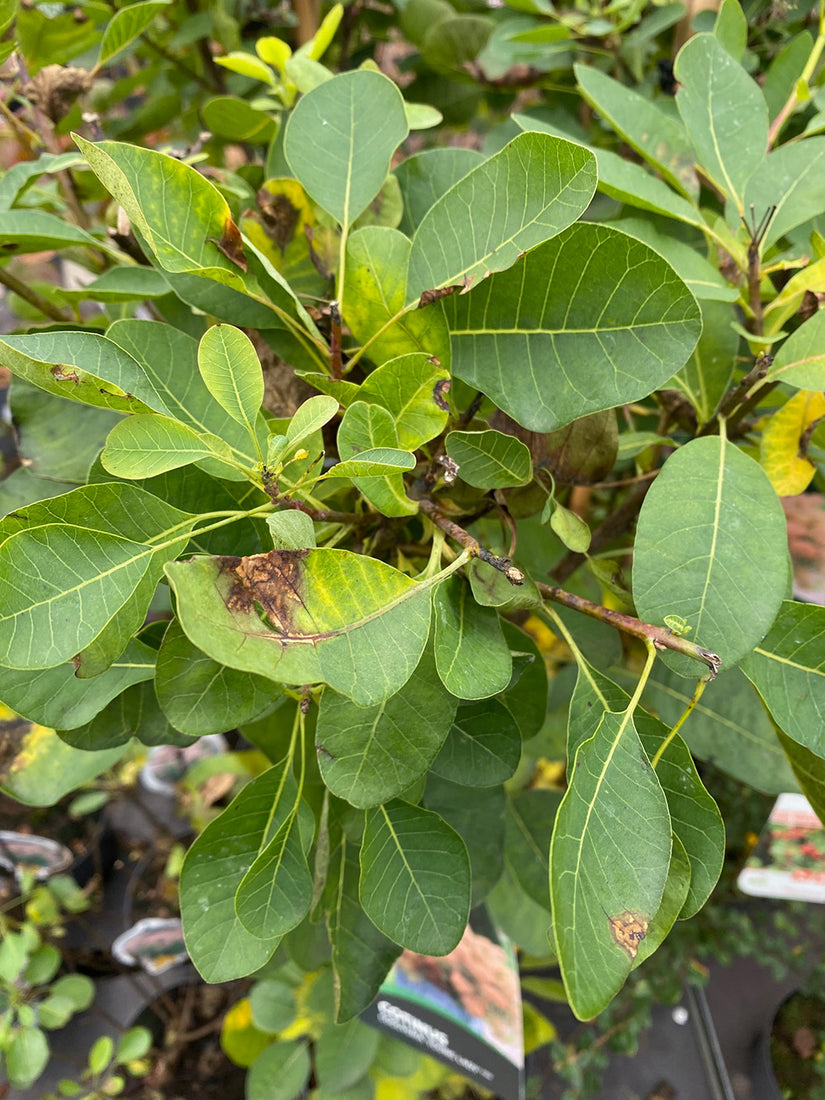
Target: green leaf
[(788, 671), (478, 818), (415, 878), (246, 64), (695, 817), (230, 117), (275, 894), (528, 827), (280, 1073), (426, 176), (218, 944), (699, 275), (350, 621), (23, 231), (731, 28), (490, 459), (711, 533), (571, 529), (344, 1053), (361, 955), (368, 755), (291, 530), (609, 861), (471, 655), (362, 428), (627, 181), (483, 747), (310, 417), (530, 191), (587, 321), (147, 445), (673, 901), (126, 25), (809, 769), (656, 136), (55, 698), (358, 119), (135, 713), (707, 374), (82, 366), (182, 233), (230, 368), (169, 358), (374, 462), (198, 695), (728, 727), (526, 695), (134, 1043), (45, 769), (790, 179), (518, 916), (724, 113), (375, 286), (412, 388), (272, 1004), (800, 361), (17, 179), (26, 1056)]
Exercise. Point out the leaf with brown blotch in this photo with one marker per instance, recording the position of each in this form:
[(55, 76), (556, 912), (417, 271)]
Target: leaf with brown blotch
[(231, 244)]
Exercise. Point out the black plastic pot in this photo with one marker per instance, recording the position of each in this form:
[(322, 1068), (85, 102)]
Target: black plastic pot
[(766, 1084)]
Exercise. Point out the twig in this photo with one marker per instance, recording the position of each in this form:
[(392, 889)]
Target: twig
[(732, 399), (661, 636), (757, 235), (322, 515), (805, 438), (465, 539), (336, 363), (23, 290)]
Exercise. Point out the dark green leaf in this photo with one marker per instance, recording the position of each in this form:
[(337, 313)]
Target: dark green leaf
[(483, 747), (478, 818), (471, 655)]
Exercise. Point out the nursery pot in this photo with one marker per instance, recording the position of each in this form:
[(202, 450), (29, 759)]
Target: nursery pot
[(785, 1057)]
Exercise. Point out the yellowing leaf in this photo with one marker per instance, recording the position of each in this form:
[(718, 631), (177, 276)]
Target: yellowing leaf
[(240, 1039), (789, 472), (537, 1028)]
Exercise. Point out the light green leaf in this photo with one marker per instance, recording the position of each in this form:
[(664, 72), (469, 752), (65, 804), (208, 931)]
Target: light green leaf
[(711, 532), (707, 374), (54, 697), (587, 321), (729, 727), (229, 116), (658, 137), (535, 187), (291, 530), (411, 387), (609, 860), (280, 1073), (788, 671), (731, 28), (724, 113), (426, 176), (421, 116), (347, 620), (26, 1056), (169, 359), (310, 417), (182, 233), (23, 231), (275, 894), (230, 368), (358, 119), (149, 444), (375, 286), (20, 176), (218, 944), (374, 462), (123, 284), (800, 361), (344, 1053), (126, 25), (415, 878), (361, 955), (45, 769), (82, 366), (247, 64), (483, 747), (362, 428), (490, 459), (571, 529), (198, 695), (368, 755), (472, 657)]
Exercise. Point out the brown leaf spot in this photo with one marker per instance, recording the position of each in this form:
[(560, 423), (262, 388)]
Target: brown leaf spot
[(628, 930), (231, 245), (429, 296), (63, 375), (273, 581), (280, 217), (441, 387)]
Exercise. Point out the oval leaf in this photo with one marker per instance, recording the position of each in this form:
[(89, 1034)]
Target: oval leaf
[(230, 368), (472, 657), (491, 459), (147, 445)]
